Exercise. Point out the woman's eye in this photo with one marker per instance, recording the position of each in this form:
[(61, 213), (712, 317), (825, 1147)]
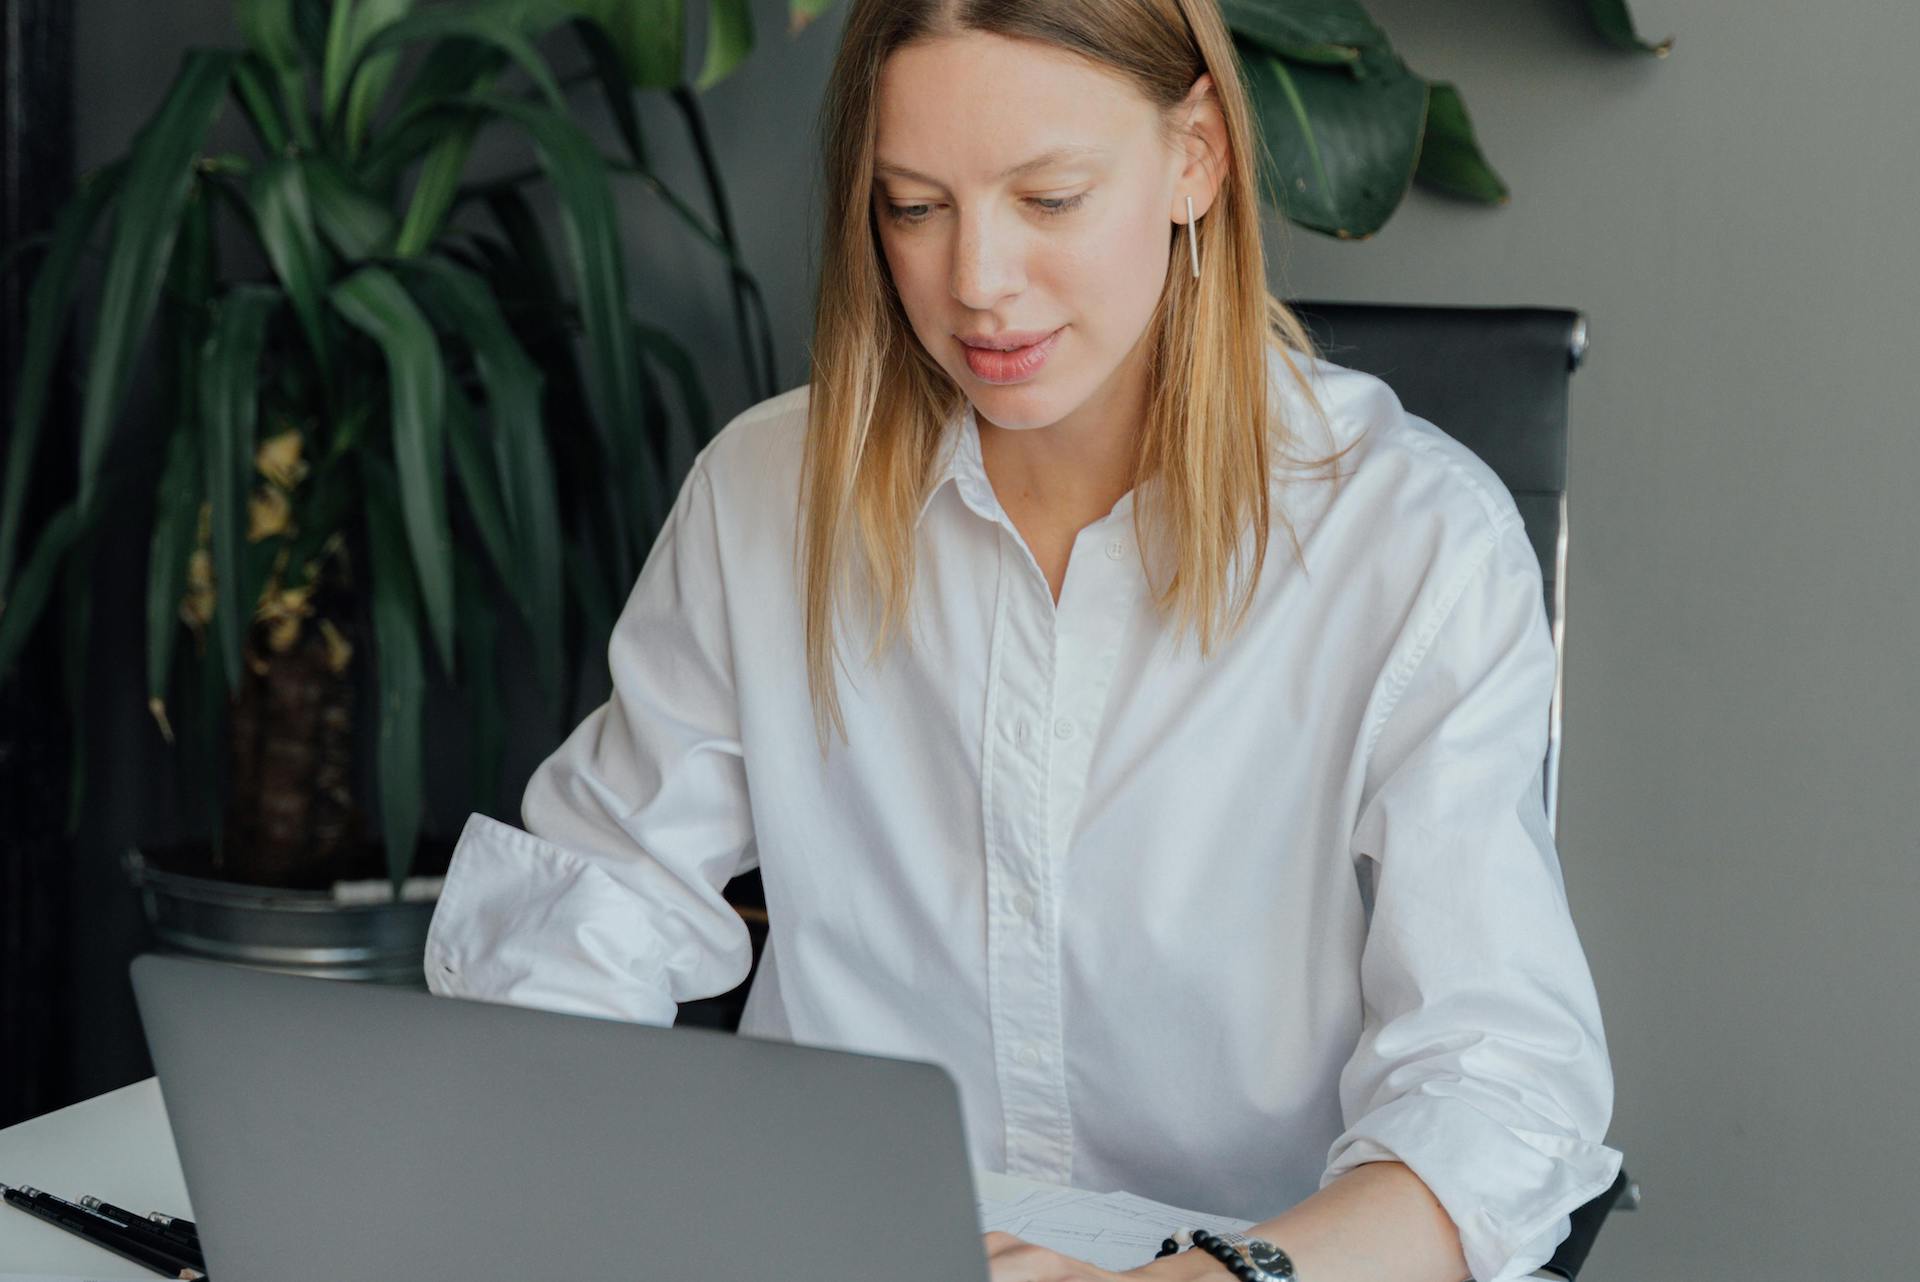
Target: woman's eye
[(1058, 205), (1048, 205)]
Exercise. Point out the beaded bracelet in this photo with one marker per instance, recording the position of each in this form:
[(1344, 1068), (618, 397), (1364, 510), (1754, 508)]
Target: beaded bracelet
[(1213, 1246)]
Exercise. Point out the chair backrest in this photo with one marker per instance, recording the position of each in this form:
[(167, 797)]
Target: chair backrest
[(1495, 379)]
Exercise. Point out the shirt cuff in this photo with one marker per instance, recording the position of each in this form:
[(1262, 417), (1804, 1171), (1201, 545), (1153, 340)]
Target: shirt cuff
[(1509, 1191), (528, 923)]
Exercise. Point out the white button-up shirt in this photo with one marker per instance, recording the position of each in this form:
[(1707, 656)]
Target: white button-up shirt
[(1210, 931)]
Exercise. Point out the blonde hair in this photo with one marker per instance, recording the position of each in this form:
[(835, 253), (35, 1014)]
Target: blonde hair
[(878, 401)]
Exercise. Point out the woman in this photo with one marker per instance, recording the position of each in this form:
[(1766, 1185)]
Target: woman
[(1220, 877)]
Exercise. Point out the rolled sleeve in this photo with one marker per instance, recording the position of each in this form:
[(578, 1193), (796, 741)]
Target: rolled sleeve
[(1482, 1062), (609, 902)]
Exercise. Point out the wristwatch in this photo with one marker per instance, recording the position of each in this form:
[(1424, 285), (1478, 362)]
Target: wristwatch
[(1270, 1263)]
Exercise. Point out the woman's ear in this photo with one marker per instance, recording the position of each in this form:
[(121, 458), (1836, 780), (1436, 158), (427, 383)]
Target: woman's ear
[(1203, 136)]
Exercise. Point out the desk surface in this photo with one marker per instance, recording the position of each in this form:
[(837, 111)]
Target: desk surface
[(119, 1146), (116, 1146)]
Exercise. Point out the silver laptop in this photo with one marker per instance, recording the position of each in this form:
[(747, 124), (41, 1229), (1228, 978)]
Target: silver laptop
[(331, 1130)]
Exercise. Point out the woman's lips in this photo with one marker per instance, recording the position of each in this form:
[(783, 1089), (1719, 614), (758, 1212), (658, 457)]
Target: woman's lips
[(1011, 367)]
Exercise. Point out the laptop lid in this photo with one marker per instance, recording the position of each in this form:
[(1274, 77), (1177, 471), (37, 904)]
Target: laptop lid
[(330, 1129)]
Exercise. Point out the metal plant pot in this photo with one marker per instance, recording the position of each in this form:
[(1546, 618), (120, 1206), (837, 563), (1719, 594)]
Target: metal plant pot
[(298, 932)]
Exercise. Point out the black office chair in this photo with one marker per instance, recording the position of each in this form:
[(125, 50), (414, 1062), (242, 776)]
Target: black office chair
[(1495, 379)]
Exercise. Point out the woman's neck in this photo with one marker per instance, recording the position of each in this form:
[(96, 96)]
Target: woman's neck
[(1069, 474)]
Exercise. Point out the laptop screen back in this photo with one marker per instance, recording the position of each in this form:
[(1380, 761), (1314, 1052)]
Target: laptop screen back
[(329, 1129)]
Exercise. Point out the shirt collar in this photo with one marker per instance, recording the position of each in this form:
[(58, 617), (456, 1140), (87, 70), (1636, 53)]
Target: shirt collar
[(962, 466)]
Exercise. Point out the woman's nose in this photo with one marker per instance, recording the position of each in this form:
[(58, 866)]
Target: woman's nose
[(986, 263)]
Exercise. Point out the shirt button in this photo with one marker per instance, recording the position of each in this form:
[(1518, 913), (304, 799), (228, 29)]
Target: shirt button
[(1063, 729), (1022, 905), (1116, 550), (1028, 1057)]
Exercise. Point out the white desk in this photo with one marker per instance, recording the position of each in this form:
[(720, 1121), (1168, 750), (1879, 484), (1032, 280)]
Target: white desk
[(116, 1146), (119, 1146)]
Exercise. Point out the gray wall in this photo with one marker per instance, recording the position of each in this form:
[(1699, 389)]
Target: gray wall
[(1742, 713), (1739, 769)]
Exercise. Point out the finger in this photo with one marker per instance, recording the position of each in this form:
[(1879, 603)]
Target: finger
[(1010, 1259), (998, 1243)]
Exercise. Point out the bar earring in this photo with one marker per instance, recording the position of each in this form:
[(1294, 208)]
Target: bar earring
[(1193, 241)]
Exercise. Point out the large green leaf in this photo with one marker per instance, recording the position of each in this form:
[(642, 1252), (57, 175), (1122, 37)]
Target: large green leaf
[(310, 21), (581, 463), (450, 68), (1450, 157), (520, 459), (230, 392), (350, 89), (269, 29), (272, 32), (353, 222), (540, 278), (254, 85), (47, 306), (398, 669), (405, 139), (471, 463), (159, 178), (283, 213), (1613, 21), (1340, 148), (608, 70), (474, 45), (729, 41), (592, 229), (1329, 32), (504, 26), (651, 36), (36, 582), (376, 304), (433, 193)]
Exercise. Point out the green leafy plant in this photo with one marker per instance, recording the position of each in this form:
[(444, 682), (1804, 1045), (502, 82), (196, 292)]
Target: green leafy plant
[(1350, 127), (387, 430)]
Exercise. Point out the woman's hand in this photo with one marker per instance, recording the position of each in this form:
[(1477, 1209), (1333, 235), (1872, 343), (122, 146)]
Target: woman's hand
[(1012, 1259)]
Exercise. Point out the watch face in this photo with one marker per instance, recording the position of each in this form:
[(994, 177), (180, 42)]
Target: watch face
[(1269, 1258)]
